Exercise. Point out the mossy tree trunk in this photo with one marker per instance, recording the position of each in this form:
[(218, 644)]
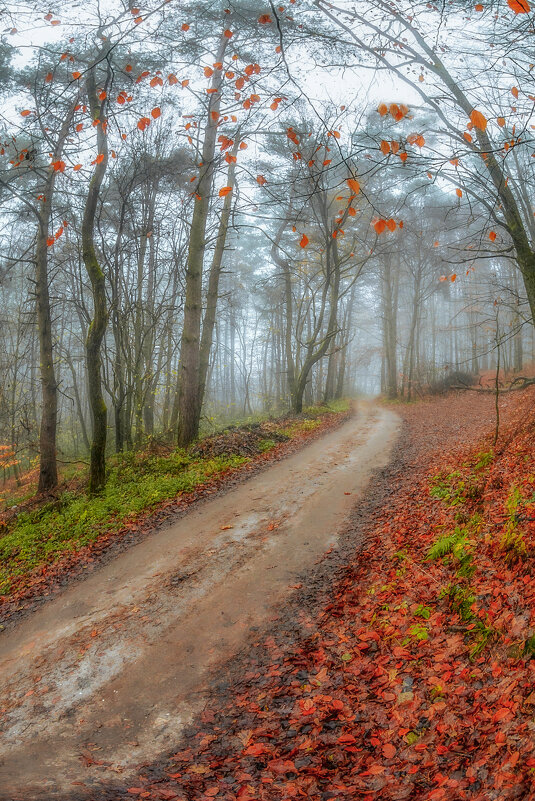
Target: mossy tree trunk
[(97, 327)]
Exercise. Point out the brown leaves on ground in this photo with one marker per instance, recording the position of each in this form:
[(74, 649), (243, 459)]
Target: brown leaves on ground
[(413, 681)]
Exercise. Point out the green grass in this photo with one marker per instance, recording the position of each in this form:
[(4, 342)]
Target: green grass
[(136, 483)]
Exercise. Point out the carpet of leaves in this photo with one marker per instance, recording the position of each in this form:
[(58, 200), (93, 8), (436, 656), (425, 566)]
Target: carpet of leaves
[(396, 687)]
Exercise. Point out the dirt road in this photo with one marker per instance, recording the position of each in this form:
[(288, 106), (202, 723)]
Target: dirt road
[(107, 675)]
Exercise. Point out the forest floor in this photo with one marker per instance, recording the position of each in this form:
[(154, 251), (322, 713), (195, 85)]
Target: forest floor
[(310, 643)]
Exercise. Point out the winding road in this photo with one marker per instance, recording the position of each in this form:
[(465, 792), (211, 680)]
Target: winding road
[(106, 675)]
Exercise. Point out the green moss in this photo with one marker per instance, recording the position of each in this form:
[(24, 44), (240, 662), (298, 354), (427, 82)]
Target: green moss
[(134, 485)]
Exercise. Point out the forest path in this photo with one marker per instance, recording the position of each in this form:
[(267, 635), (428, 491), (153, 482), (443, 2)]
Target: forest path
[(107, 675)]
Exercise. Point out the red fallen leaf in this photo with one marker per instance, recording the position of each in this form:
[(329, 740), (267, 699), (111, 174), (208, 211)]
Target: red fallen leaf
[(257, 749), (374, 770), (501, 713), (346, 739), (135, 790), (389, 751), (281, 766), (513, 759)]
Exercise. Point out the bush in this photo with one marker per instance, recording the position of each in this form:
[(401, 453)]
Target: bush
[(455, 378)]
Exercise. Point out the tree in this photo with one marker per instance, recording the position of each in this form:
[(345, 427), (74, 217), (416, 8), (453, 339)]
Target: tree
[(97, 327)]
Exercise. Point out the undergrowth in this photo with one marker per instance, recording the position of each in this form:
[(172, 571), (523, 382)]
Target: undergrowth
[(137, 482)]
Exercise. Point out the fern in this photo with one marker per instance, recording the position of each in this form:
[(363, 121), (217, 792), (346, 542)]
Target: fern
[(459, 545)]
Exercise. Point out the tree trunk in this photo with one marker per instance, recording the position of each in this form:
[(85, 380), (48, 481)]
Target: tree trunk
[(188, 399), (97, 328), (213, 286), (48, 472)]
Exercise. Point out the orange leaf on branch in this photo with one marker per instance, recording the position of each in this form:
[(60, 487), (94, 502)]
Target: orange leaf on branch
[(380, 226), (519, 6), (478, 120), (224, 191), (304, 241)]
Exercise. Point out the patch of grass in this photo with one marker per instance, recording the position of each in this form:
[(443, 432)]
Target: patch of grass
[(137, 481), (512, 541), (453, 489), (135, 484)]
